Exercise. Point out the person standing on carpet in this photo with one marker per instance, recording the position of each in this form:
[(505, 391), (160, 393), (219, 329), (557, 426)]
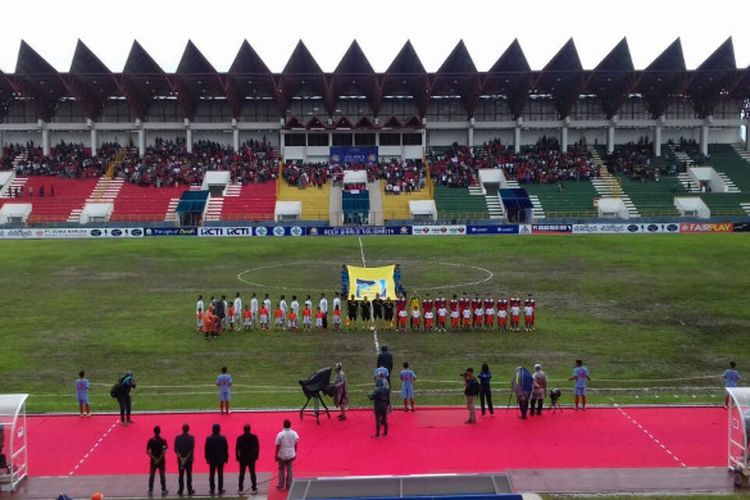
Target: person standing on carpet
[(122, 393), (385, 359), (224, 383), (184, 448), (381, 400), (581, 377), (538, 390), (286, 451), (156, 449), (247, 450), (82, 393), (731, 377), (340, 392), (485, 391), (217, 454), (407, 386), (471, 390)]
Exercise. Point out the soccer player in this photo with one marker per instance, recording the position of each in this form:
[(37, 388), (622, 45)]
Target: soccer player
[(478, 315), (528, 318), (306, 318), (731, 377), (291, 320), (308, 302), (515, 316), (377, 308), (336, 301), (284, 309), (428, 306), (402, 315), (407, 386), (82, 394), (388, 312), (295, 306), (336, 318), (264, 317), (247, 317), (442, 314), (199, 308), (489, 313), (466, 316), (224, 383), (221, 312), (267, 303), (238, 311), (253, 310), (476, 303), (502, 320), (365, 310), (455, 313), (351, 306), (319, 317), (209, 319), (323, 307), (581, 377)]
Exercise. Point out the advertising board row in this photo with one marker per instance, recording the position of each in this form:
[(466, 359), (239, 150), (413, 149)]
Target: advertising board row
[(417, 230)]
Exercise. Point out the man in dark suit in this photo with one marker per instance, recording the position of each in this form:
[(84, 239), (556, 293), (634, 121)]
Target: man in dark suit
[(156, 449), (217, 454), (184, 447), (381, 399), (385, 359), (246, 452)]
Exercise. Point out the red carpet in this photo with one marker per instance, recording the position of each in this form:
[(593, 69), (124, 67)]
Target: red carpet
[(428, 441)]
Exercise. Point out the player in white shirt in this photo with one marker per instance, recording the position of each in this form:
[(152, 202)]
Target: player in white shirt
[(442, 314), (502, 320), (323, 306), (253, 310), (528, 318), (478, 317), (336, 301), (515, 313), (199, 309), (267, 303), (294, 306), (238, 311), (308, 303), (466, 315)]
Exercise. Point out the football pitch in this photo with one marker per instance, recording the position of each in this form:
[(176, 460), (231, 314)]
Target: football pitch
[(656, 318)]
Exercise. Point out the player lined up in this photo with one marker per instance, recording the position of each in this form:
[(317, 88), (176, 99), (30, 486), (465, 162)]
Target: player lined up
[(438, 314), (223, 316)]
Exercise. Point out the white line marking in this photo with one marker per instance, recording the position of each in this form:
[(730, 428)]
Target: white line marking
[(375, 339), (362, 251), (91, 450), (651, 436)]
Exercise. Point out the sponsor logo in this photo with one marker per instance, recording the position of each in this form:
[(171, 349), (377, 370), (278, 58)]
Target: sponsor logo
[(524, 229), (261, 231), (723, 227), (96, 233), (278, 231), (136, 232), (439, 230), (551, 228), (369, 288), (296, 231), (225, 231), (116, 232)]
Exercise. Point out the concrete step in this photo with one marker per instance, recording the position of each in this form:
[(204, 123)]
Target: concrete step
[(233, 191), (75, 215)]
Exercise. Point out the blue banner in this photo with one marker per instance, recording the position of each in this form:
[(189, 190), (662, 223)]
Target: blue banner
[(354, 154), (487, 229), (171, 231), (359, 231)]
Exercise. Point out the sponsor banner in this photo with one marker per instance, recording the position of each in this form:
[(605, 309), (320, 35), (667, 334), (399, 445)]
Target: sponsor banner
[(225, 232), (70, 233), (450, 230), (279, 231), (117, 232), (552, 228), (524, 229), (625, 228), (354, 154), (490, 229), (360, 231), (171, 231), (742, 227), (708, 227), (367, 282)]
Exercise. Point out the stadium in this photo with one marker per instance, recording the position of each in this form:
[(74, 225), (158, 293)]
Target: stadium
[(272, 240)]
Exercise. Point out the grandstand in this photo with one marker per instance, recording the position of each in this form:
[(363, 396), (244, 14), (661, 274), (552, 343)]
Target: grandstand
[(314, 200), (459, 203)]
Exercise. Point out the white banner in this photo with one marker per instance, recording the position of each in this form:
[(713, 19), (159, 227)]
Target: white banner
[(625, 228), (225, 232), (70, 233), (459, 230)]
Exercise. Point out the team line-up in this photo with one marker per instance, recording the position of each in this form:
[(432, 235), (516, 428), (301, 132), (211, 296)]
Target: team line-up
[(428, 314)]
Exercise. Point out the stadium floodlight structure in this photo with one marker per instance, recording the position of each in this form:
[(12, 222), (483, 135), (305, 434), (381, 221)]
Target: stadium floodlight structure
[(14, 456), (739, 430)]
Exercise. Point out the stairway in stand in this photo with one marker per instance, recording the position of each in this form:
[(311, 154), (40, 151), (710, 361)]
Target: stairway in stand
[(607, 185), (105, 191), (18, 184), (740, 150), (213, 209), (690, 187)]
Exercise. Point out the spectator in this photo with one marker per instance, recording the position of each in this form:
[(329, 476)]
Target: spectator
[(286, 451)]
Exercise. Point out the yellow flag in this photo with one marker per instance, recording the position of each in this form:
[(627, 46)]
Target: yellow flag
[(371, 281)]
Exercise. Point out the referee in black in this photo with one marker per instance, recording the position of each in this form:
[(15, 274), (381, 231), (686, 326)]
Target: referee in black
[(351, 307)]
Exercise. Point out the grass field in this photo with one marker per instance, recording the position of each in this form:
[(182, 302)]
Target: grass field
[(660, 312)]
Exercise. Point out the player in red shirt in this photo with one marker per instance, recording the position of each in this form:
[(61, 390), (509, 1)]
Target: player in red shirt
[(428, 310), (489, 312), (455, 314)]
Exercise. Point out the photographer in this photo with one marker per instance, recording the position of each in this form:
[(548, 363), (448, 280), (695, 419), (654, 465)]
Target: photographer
[(471, 390), (381, 399)]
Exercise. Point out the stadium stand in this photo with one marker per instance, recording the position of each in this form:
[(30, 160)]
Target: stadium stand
[(254, 202), (314, 200), (459, 203), (145, 203), (61, 198)]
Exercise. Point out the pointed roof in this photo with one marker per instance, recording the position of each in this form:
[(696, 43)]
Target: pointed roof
[(364, 122), (458, 61), (393, 122), (86, 62), (194, 62), (343, 122), (354, 61), (406, 61), (315, 123), (294, 122), (613, 78), (29, 62), (248, 61), (716, 74), (663, 77), (510, 76), (139, 61), (563, 78), (301, 61)]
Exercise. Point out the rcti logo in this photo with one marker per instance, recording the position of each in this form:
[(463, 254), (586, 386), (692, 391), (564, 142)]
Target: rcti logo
[(369, 288)]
